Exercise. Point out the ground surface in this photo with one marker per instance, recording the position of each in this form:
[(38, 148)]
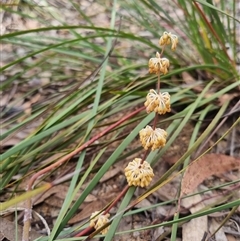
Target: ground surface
[(49, 204)]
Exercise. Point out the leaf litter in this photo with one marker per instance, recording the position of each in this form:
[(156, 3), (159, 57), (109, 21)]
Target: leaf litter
[(205, 167), (210, 166)]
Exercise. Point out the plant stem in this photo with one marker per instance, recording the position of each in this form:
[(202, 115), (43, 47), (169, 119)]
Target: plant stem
[(28, 210), (84, 232), (120, 195)]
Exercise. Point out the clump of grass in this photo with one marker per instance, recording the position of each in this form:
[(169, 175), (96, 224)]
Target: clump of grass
[(68, 120)]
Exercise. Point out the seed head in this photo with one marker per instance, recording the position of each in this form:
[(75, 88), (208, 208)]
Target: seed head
[(158, 65), (153, 139), (99, 220), (139, 173), (168, 38), (159, 103)]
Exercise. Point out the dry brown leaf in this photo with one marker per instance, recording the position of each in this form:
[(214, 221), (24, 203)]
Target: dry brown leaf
[(219, 235), (195, 228), (110, 174), (8, 230), (189, 80), (60, 193), (4, 100), (169, 191), (227, 97), (206, 166), (231, 237), (86, 212), (89, 208)]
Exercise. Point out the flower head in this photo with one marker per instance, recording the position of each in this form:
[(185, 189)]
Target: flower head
[(159, 103), (153, 139), (158, 65), (139, 173), (168, 38), (99, 220)]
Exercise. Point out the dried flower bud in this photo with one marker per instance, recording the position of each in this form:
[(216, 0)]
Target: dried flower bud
[(153, 139), (168, 38), (139, 173), (158, 65), (159, 103), (99, 221)]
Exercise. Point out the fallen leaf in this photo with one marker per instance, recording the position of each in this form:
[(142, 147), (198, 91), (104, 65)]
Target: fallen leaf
[(231, 237), (169, 191), (226, 97), (195, 228), (110, 174), (189, 80), (205, 167), (89, 208), (9, 229), (60, 193), (219, 235), (86, 212)]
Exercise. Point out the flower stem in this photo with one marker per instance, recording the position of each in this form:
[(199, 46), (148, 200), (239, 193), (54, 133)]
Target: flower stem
[(158, 84), (28, 210), (120, 195)]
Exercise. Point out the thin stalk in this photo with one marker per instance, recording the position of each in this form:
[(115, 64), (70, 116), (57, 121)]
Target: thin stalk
[(28, 210), (89, 230), (120, 195)]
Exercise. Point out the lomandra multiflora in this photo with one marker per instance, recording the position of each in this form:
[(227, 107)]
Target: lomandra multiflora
[(138, 172), (98, 220)]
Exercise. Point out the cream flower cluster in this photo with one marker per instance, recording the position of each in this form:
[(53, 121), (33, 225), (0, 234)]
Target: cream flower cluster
[(158, 65), (99, 221), (168, 38), (152, 138), (139, 173), (159, 103)]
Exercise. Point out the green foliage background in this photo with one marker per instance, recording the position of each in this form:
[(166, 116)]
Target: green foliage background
[(100, 72)]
